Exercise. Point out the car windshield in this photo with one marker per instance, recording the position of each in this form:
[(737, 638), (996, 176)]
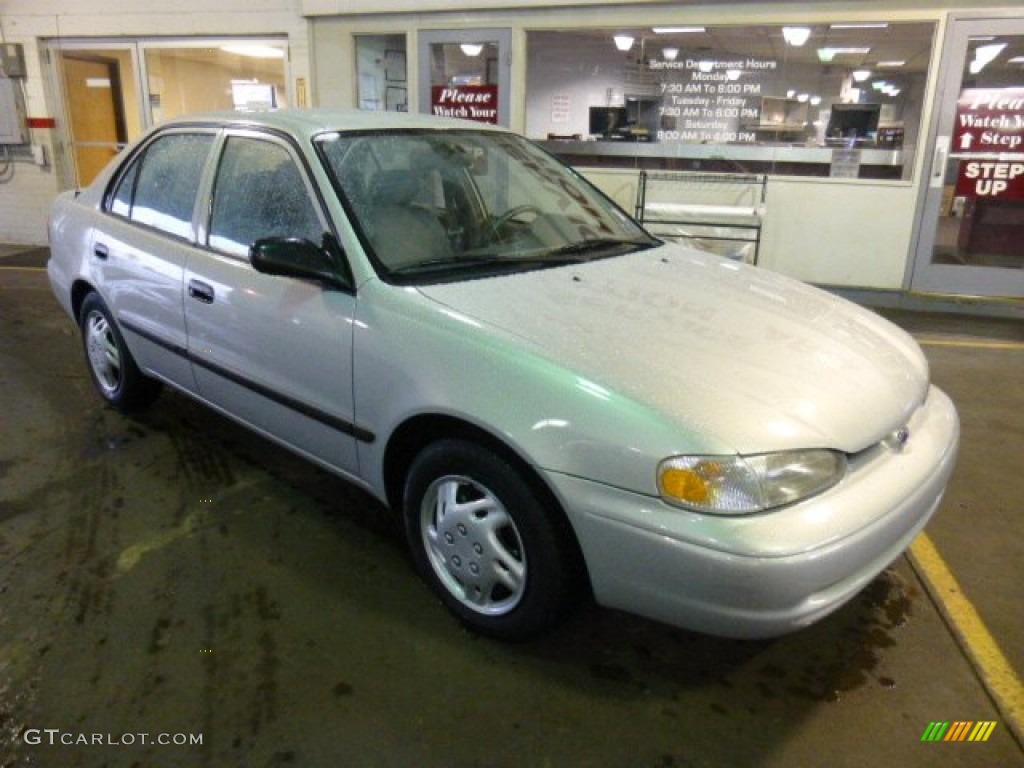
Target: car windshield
[(444, 205)]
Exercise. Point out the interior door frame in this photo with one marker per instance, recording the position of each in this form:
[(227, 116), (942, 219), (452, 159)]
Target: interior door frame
[(945, 279), (64, 157), (501, 35)]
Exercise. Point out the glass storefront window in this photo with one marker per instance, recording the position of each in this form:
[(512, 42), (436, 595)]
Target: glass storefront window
[(113, 90), (382, 70), (236, 75), (821, 99)]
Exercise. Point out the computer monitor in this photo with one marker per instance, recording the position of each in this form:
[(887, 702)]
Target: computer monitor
[(608, 121), (853, 121)]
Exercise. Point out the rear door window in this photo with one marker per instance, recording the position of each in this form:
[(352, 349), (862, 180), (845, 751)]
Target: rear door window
[(159, 189)]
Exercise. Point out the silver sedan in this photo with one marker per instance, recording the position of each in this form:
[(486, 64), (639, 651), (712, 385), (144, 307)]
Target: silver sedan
[(557, 402)]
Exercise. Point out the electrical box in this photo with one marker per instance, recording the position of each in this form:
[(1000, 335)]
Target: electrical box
[(12, 60), (13, 125)]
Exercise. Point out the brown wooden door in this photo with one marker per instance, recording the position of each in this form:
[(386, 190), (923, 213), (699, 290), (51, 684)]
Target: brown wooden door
[(95, 110)]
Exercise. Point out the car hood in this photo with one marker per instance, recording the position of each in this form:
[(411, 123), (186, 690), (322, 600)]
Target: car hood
[(742, 358)]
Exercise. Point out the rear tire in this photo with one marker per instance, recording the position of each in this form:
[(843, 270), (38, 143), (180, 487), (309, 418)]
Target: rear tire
[(486, 542), (113, 370)]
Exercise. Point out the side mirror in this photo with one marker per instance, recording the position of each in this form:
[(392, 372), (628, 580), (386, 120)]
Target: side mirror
[(297, 257)]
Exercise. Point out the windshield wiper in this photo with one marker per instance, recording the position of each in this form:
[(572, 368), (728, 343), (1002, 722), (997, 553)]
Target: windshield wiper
[(573, 253), (488, 259), (598, 244)]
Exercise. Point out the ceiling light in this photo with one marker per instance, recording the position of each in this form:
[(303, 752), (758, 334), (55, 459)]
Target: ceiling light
[(670, 53), (879, 85), (860, 25), (860, 75), (796, 36), (790, 93), (623, 42), (472, 49), (894, 63), (815, 100), (983, 56), (677, 30), (1016, 60), (827, 54), (803, 97), (254, 51), (705, 65), (733, 74)]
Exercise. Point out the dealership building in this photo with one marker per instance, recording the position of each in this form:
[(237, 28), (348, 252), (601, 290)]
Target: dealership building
[(872, 147)]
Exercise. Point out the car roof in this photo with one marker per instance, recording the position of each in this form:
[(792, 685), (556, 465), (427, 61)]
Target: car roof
[(311, 122)]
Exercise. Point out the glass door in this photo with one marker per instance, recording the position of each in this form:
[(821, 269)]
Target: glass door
[(112, 91), (971, 239), (101, 99), (466, 73)]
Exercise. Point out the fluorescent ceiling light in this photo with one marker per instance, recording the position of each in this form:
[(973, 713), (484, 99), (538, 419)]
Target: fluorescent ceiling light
[(677, 30), (472, 49), (733, 74), (254, 51), (860, 25), (803, 97), (705, 65), (827, 54), (670, 54), (623, 42), (984, 55), (860, 75), (815, 100), (796, 36), (1016, 60), (894, 63), (879, 85)]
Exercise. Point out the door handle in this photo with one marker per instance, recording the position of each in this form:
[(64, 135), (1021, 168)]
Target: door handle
[(100, 251), (939, 157), (200, 291)]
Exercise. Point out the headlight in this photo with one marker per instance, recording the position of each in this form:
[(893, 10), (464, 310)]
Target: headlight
[(739, 485)]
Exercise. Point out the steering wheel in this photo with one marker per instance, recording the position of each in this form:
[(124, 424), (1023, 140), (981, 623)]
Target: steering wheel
[(500, 221)]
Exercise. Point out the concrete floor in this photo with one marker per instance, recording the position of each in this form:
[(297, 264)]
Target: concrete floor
[(172, 574)]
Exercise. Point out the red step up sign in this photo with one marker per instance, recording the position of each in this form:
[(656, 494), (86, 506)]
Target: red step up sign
[(990, 124)]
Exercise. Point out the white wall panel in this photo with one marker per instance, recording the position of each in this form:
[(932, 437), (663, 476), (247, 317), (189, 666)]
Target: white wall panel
[(851, 234)]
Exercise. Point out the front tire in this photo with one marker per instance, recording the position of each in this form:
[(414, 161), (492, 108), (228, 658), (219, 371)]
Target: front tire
[(497, 555), (113, 370)]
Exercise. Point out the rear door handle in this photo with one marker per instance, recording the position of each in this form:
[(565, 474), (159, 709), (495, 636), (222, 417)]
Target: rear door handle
[(100, 251), (200, 291)]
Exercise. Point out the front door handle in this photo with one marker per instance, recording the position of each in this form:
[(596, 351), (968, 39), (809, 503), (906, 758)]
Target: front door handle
[(200, 291), (100, 251)]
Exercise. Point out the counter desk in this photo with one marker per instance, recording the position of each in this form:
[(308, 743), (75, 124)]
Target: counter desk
[(773, 159)]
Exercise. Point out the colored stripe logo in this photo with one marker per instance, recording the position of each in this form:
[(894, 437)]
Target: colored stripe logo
[(959, 730)]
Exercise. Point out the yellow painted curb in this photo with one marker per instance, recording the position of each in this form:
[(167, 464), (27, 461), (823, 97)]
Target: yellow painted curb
[(998, 676)]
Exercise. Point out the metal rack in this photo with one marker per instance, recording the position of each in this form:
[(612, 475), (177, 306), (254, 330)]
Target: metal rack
[(698, 207)]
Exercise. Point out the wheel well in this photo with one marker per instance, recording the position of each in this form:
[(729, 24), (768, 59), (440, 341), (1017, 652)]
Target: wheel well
[(79, 290), (416, 434)]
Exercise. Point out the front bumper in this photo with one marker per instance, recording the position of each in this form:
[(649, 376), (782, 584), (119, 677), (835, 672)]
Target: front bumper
[(771, 573)]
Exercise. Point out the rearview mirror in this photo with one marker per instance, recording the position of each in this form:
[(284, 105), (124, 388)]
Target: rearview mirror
[(297, 257)]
